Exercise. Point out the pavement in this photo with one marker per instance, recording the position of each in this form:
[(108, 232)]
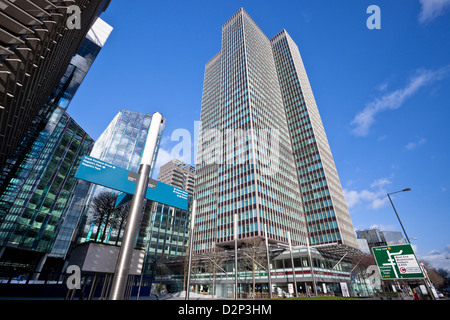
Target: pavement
[(193, 296), (178, 296), (197, 296)]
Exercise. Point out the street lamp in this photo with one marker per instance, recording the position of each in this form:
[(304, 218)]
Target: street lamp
[(407, 189), (425, 280)]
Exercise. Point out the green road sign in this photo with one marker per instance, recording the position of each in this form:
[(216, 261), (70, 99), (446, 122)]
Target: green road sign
[(397, 262)]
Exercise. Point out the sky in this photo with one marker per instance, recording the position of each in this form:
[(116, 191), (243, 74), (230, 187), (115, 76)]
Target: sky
[(383, 93)]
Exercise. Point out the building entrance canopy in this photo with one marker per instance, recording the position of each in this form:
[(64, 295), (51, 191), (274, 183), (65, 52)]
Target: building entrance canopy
[(344, 252)]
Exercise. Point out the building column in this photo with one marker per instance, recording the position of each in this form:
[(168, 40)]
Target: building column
[(39, 267)]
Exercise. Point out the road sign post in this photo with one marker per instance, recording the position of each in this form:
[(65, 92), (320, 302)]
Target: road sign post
[(397, 262), (191, 248)]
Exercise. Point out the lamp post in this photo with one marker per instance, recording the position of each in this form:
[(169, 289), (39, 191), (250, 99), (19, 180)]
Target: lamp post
[(407, 189), (424, 280)]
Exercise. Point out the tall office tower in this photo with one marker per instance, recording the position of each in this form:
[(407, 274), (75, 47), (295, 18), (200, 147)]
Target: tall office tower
[(325, 207), (29, 163), (277, 172), (35, 205), (178, 174), (36, 47), (245, 164)]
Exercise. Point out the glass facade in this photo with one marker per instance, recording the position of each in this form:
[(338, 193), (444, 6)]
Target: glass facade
[(57, 103), (166, 234), (36, 49), (33, 208), (377, 238), (37, 183)]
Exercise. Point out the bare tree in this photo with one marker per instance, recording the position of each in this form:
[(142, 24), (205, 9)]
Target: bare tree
[(120, 219), (213, 264), (161, 269), (185, 267), (253, 258), (103, 205), (434, 276)]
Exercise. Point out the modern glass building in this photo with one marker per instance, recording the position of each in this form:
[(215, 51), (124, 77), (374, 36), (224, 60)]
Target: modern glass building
[(33, 207), (57, 103), (36, 48), (163, 229), (166, 235), (377, 238), (53, 146), (121, 144), (263, 153)]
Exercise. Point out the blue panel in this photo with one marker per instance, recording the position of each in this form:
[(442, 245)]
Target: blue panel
[(105, 174), (169, 195), (110, 176)]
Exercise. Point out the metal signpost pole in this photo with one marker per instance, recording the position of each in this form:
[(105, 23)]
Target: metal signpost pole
[(312, 268), (407, 238), (129, 238), (235, 257), (268, 262), (191, 242)]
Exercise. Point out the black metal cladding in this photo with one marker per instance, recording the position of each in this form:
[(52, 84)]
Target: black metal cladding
[(36, 47)]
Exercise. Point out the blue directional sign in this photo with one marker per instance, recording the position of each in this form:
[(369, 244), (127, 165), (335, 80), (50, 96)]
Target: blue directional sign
[(123, 199), (111, 176)]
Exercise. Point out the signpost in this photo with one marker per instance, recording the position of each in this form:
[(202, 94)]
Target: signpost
[(140, 187), (129, 236), (397, 262)]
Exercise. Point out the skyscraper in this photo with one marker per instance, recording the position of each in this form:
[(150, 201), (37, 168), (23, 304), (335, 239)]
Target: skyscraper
[(263, 153), (36, 48), (57, 103), (243, 126), (325, 207)]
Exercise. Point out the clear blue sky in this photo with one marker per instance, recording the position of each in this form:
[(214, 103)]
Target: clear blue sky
[(383, 94)]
